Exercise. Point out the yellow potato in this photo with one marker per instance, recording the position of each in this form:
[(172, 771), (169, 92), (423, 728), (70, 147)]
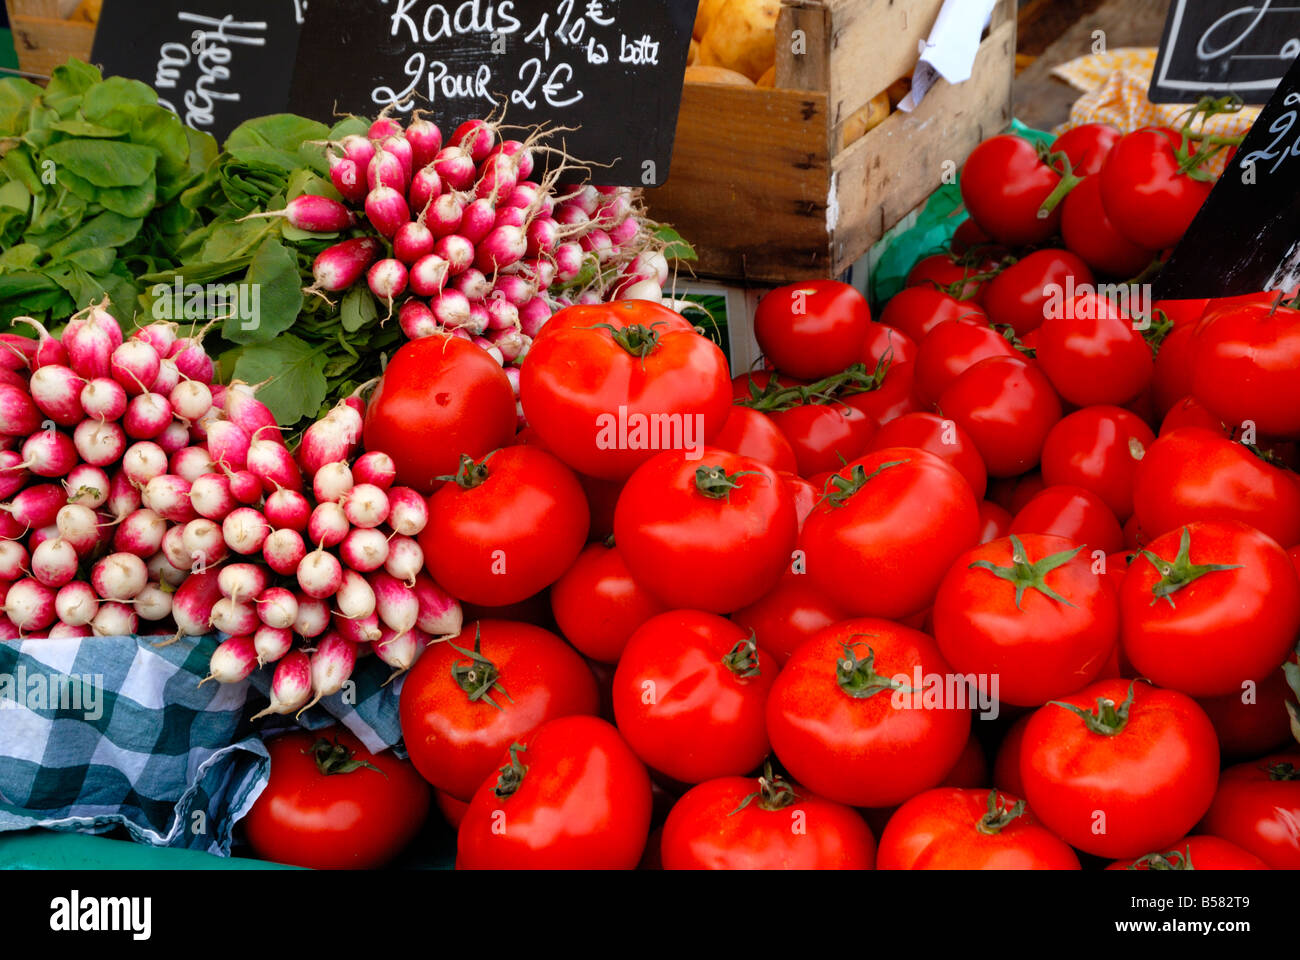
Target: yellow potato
[(699, 74), (866, 118), (704, 14), (768, 79), (693, 53), (742, 37)]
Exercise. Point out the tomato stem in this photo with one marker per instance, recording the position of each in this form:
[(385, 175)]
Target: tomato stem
[(334, 758), (742, 659), (637, 339), (478, 676), (1283, 770), (1107, 719), (775, 397), (1025, 575), (1173, 860), (858, 677), (512, 774), (999, 815), (715, 483), (1178, 573), (1060, 162), (774, 792), (470, 474), (845, 487)]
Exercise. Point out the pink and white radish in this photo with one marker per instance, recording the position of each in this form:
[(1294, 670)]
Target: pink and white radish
[(440, 614), (408, 511), (37, 506), (56, 392), (49, 453), (143, 461), (290, 684), (313, 617), (30, 605), (364, 550), (233, 617), (211, 497), (359, 629), (141, 533), (340, 266), (135, 366), (283, 551), (277, 607), (332, 482), (115, 620), (405, 559), (54, 562), (153, 603), (328, 525), (76, 603), (99, 442), (312, 214), (319, 575), (233, 661), (271, 643), (79, 525), (366, 506), (147, 415), (241, 581), (192, 603), (119, 576), (354, 598), (190, 463), (245, 531), (169, 496), (331, 664), (287, 509)]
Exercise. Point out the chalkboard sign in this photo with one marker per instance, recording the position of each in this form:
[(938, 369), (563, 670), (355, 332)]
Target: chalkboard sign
[(1246, 236), (216, 63), (611, 68), (1218, 47)]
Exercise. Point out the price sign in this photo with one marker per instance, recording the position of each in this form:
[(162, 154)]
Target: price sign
[(612, 69)]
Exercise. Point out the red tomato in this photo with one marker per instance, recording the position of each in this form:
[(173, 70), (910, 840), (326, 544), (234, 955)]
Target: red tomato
[(1098, 448), (995, 520), (953, 829), (812, 329), (1145, 196), (713, 533), (971, 769), (331, 804), (1257, 807), (746, 386), (440, 398), (1193, 474), (1196, 853), (508, 527), (452, 810), (689, 695), (1006, 766), (969, 236), (958, 279), (1209, 606), (1086, 146), (1003, 184), (1091, 352), (598, 605), (823, 435), (792, 612), (1244, 357), (743, 823), (1007, 407), (1120, 768), (804, 495), (1189, 412), (1020, 296), (571, 795), (612, 384), (886, 534), (602, 497), (1076, 514), (915, 311), (839, 723), (753, 434), (1089, 234), (1172, 377), (463, 704), (886, 343), (1253, 720), (1030, 611), (891, 394), (952, 348), (943, 438)]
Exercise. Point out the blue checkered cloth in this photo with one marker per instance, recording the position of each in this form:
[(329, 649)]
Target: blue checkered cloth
[(98, 733)]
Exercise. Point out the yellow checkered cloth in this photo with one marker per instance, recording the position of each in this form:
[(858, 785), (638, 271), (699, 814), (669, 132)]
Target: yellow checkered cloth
[(1114, 88)]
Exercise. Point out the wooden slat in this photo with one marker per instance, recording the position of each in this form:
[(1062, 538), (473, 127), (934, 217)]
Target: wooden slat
[(45, 9), (810, 67), (891, 170), (873, 43), (749, 181), (42, 45)]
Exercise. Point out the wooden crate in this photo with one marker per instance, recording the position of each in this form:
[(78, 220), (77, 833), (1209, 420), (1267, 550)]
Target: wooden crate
[(42, 39), (761, 183)]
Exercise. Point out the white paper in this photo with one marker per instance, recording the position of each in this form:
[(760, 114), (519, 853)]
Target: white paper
[(950, 50)]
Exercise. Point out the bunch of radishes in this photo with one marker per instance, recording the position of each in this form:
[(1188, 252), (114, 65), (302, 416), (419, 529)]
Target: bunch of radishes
[(138, 489), (361, 589), (459, 239)]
